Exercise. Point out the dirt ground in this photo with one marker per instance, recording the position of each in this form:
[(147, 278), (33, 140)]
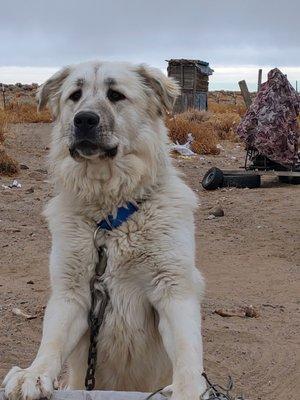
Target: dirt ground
[(250, 256)]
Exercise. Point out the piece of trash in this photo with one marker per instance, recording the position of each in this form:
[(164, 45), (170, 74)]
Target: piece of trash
[(17, 311), (15, 184), (184, 149), (211, 216), (248, 311), (217, 212)]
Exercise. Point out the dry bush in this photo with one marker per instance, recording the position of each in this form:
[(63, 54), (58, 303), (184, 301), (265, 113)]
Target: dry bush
[(205, 140), (220, 108), (26, 112), (194, 115), (224, 124), (3, 125), (8, 166)]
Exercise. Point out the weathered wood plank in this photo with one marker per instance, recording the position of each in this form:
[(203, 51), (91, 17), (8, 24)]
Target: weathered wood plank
[(245, 93), (97, 395)]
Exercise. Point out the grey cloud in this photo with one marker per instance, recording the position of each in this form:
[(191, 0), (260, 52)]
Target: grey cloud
[(224, 32)]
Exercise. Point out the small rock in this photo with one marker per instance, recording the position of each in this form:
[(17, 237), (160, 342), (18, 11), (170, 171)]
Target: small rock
[(30, 282), (24, 166), (217, 212), (30, 190)]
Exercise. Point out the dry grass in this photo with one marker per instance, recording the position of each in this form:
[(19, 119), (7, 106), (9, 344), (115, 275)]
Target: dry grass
[(205, 140), (224, 124), (220, 108), (8, 166), (207, 128), (3, 125), (26, 112)]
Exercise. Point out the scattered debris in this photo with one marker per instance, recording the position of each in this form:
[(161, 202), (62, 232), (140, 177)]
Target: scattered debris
[(211, 216), (15, 184), (18, 312), (243, 312), (184, 149)]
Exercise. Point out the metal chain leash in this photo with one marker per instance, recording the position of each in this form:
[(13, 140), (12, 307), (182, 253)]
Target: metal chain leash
[(214, 391), (99, 301)]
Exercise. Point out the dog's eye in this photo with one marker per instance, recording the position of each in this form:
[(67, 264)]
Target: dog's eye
[(75, 96), (115, 96)]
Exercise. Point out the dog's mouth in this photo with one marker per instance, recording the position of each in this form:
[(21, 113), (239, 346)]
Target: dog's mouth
[(89, 150)]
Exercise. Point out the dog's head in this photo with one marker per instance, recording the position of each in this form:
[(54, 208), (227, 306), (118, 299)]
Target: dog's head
[(107, 110)]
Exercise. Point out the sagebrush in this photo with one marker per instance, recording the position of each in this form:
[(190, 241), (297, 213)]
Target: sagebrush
[(206, 127)]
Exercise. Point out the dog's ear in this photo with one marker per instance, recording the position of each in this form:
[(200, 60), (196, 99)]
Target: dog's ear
[(49, 92), (165, 89)]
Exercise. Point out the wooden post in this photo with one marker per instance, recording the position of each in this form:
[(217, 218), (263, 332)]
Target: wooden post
[(259, 79), (181, 83), (245, 93), (3, 95), (297, 86)]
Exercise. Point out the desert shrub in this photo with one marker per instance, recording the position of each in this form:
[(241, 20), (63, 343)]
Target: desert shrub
[(204, 139), (224, 125), (26, 112), (3, 125), (194, 115), (220, 108), (8, 166)]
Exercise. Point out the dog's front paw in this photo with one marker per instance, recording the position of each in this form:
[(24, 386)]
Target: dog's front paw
[(197, 392), (27, 384)]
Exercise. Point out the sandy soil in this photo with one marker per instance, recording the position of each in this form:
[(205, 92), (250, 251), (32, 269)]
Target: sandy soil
[(248, 257)]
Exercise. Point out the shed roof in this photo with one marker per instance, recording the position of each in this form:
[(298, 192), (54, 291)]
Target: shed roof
[(202, 66)]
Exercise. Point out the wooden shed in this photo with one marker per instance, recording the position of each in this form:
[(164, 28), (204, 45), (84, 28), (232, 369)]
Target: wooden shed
[(193, 77)]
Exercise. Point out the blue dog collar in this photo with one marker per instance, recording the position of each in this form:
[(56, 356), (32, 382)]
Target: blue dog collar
[(123, 214)]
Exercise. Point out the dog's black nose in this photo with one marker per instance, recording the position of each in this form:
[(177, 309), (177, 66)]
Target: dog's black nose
[(86, 120)]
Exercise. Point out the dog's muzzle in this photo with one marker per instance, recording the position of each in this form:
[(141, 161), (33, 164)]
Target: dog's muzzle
[(87, 138)]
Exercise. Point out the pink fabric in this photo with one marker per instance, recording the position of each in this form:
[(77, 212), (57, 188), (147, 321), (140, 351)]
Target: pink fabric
[(270, 124)]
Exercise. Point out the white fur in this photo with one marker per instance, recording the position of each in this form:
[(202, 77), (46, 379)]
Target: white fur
[(151, 336)]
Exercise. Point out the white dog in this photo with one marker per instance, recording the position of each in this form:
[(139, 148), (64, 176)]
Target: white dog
[(110, 147)]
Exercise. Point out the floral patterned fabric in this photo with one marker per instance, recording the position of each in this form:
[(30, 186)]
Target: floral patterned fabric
[(270, 124)]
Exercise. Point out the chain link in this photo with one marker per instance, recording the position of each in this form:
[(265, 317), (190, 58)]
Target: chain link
[(99, 301)]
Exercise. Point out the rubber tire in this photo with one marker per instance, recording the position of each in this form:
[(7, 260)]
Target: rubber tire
[(250, 181), (213, 179), (295, 180), (284, 179)]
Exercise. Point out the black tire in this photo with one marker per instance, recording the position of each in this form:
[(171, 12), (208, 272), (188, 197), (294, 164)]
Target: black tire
[(284, 179), (295, 180), (213, 179), (250, 181)]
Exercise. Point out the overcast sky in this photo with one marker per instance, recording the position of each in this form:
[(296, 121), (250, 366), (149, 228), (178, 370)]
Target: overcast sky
[(235, 36)]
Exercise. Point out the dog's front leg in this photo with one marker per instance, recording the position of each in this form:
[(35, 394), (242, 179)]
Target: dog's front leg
[(65, 323), (179, 326)]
